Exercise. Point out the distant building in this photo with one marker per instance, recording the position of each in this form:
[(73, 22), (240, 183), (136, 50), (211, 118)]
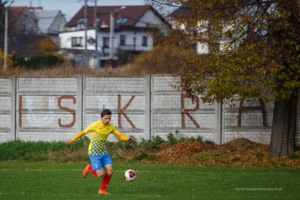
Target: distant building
[(201, 48), (132, 25), (21, 21), (49, 22)]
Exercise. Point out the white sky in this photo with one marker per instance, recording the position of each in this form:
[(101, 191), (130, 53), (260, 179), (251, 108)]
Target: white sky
[(71, 7)]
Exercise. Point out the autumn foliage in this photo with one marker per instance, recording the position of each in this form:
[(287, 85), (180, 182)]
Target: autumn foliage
[(160, 60), (237, 153), (44, 47), (253, 51)]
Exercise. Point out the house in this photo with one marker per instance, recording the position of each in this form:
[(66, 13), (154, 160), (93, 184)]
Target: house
[(21, 21), (201, 47), (131, 30), (49, 22)]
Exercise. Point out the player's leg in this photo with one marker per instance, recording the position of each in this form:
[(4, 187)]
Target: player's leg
[(107, 165), (96, 167)]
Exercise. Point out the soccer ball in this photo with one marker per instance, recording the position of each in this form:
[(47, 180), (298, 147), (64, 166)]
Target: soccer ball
[(130, 175)]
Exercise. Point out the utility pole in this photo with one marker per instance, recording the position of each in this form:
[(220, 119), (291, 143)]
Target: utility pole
[(111, 36), (5, 36), (111, 39), (85, 33), (96, 26)]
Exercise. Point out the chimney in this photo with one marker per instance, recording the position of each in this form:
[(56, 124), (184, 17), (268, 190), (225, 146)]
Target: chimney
[(104, 25), (39, 8), (31, 8)]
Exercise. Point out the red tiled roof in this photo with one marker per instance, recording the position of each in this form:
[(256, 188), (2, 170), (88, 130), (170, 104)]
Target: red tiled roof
[(14, 15), (133, 13)]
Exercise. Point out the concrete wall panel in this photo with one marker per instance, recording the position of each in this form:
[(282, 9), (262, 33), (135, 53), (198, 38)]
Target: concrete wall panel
[(46, 135)]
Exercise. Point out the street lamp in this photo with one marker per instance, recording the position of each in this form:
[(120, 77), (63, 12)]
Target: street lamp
[(111, 38), (5, 35)]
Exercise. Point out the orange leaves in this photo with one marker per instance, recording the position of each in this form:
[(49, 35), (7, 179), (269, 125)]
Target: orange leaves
[(230, 154)]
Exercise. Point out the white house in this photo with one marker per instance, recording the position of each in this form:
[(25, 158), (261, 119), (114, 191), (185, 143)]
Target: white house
[(132, 26)]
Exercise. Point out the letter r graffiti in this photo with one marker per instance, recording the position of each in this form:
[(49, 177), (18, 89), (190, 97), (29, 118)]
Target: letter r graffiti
[(186, 112)]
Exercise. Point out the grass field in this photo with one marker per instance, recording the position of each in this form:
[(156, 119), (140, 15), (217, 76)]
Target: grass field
[(43, 180)]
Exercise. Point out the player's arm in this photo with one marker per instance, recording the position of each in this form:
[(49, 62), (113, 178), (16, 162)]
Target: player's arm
[(121, 136), (79, 135)]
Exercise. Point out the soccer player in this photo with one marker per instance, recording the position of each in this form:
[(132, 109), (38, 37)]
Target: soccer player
[(97, 148)]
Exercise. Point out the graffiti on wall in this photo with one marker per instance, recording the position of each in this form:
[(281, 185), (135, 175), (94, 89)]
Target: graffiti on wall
[(245, 108), (105, 104), (121, 111), (68, 110), (47, 105), (186, 111)]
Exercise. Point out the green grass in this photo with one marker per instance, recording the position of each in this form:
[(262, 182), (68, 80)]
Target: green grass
[(39, 180)]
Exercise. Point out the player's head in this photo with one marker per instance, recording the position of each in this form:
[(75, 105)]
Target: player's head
[(105, 116)]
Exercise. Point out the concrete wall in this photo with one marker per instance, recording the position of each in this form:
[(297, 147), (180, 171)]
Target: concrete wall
[(57, 108), (47, 109), (171, 111), (255, 123)]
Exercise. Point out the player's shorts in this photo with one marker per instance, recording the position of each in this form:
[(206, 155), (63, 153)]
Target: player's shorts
[(99, 161)]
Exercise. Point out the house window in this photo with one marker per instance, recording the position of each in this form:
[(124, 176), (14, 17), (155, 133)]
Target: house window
[(77, 41), (80, 23), (123, 40), (144, 41), (29, 27), (24, 27), (60, 27), (106, 42), (121, 21), (193, 46)]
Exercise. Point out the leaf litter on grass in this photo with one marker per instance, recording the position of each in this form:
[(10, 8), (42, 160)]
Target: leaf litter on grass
[(239, 152)]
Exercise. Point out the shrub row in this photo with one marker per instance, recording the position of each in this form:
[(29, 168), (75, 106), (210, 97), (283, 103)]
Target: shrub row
[(21, 150), (34, 62), (14, 150)]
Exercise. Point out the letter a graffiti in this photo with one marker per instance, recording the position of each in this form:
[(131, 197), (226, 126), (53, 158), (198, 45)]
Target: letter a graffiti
[(261, 107)]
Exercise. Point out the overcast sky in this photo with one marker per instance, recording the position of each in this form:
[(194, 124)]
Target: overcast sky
[(71, 7)]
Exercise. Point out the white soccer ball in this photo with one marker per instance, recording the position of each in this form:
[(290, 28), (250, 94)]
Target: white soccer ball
[(130, 175)]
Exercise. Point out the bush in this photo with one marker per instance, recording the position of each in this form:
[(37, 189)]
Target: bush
[(34, 62), (151, 144), (171, 138), (160, 60), (13, 150), (293, 156), (143, 156), (130, 144)]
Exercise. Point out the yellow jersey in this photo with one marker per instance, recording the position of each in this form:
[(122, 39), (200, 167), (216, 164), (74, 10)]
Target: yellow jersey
[(99, 136)]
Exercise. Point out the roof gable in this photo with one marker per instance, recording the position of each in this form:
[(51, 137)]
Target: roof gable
[(14, 14), (132, 13), (45, 18)]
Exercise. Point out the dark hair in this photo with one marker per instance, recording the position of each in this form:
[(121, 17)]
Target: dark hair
[(105, 112)]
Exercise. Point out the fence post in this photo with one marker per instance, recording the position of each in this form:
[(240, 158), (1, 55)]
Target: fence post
[(219, 123), (147, 134), (13, 108), (80, 103)]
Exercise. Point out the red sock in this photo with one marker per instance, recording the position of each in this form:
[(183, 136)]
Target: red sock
[(92, 171), (105, 182)]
